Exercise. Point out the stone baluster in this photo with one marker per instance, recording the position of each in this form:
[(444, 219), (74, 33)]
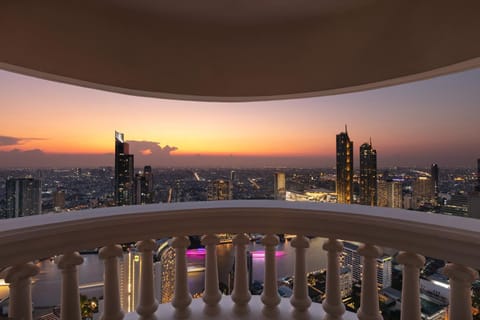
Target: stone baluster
[(70, 299), (181, 297), (461, 278), (270, 296), (300, 299), (241, 294), (369, 306), (211, 295), (111, 290), (412, 263), (147, 304), (19, 278), (333, 305)]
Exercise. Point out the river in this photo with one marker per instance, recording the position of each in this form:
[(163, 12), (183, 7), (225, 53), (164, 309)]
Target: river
[(47, 284)]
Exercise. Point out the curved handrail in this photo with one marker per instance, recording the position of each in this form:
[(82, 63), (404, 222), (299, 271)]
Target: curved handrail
[(446, 237)]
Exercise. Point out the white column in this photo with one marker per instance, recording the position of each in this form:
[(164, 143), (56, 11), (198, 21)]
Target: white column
[(412, 263), (70, 299), (147, 304), (300, 299), (111, 290), (369, 306), (211, 295), (19, 279), (241, 294), (333, 306), (461, 278), (270, 296), (181, 297)]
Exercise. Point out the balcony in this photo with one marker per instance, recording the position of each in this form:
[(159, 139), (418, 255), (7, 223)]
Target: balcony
[(414, 234)]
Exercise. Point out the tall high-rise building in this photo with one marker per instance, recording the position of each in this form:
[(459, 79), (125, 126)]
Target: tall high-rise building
[(219, 190), (435, 176), (368, 174), (23, 197), (390, 194), (477, 187), (279, 186), (124, 174), (422, 191), (59, 200), (144, 186), (344, 184)]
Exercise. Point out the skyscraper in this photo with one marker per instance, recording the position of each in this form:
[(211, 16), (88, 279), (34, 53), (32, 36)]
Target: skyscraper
[(368, 174), (124, 175), (344, 168), (144, 186), (390, 194), (435, 174), (279, 190), (24, 197), (477, 187)]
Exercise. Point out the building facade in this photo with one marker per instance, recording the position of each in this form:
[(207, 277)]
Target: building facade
[(368, 175), (219, 190), (23, 197), (279, 186), (390, 194), (344, 182), (124, 172)]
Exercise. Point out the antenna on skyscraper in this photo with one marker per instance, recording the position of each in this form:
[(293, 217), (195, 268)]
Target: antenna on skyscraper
[(370, 141), (346, 129)]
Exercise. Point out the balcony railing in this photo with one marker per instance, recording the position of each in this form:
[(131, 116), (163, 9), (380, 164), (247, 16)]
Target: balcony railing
[(414, 234)]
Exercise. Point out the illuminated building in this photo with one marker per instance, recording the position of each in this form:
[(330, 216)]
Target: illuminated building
[(124, 178), (279, 190), (368, 174), (422, 191), (219, 190), (390, 194), (350, 258), (130, 267), (345, 282), (59, 200), (144, 186), (435, 179), (167, 275), (23, 197), (344, 183)]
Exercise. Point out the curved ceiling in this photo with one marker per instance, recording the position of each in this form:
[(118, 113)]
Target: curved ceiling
[(228, 50)]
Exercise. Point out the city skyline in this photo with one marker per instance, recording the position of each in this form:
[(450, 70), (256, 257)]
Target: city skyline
[(58, 125)]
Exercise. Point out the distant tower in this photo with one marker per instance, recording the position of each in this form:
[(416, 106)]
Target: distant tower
[(279, 190), (219, 190), (344, 168), (434, 173), (368, 174), (124, 175), (24, 197), (422, 191), (477, 187), (59, 200)]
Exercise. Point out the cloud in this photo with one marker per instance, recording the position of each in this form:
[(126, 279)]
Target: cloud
[(150, 153), (14, 141)]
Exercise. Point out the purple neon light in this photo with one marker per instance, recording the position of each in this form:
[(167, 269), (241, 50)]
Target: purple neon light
[(261, 254), (196, 252)]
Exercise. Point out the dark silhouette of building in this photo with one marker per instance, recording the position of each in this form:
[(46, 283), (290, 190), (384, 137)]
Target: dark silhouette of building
[(434, 172), (144, 186), (368, 174), (477, 187), (24, 197), (344, 168), (124, 174)]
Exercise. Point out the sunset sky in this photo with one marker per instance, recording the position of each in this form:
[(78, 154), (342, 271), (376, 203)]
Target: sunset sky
[(44, 123)]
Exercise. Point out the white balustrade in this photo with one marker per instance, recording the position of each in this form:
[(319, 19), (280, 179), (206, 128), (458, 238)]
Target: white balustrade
[(369, 306), (70, 298), (147, 303), (270, 296), (241, 293), (461, 278), (181, 297), (412, 263), (111, 290), (332, 304), (300, 299), (19, 278), (212, 294)]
